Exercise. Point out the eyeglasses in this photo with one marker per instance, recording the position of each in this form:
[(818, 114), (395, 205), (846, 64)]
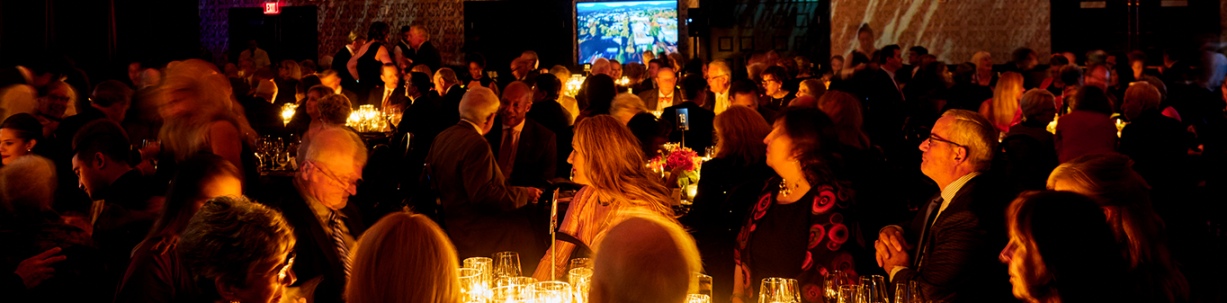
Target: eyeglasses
[(347, 184), (935, 137)]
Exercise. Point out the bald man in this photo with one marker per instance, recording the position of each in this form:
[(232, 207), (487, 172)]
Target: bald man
[(481, 212), (526, 150)]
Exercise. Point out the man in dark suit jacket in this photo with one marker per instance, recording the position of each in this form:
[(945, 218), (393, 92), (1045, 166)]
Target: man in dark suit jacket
[(954, 240), (391, 93), (447, 86), (532, 148), (422, 51), (699, 136), (325, 223), (342, 57), (666, 83), (481, 213)]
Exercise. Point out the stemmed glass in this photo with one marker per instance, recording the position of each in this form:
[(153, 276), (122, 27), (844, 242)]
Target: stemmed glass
[(779, 290), (506, 264), (875, 287), (908, 293), (831, 284)]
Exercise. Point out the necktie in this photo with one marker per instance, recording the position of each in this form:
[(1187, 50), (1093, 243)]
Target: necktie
[(506, 152), (338, 239), (930, 216), (387, 94)]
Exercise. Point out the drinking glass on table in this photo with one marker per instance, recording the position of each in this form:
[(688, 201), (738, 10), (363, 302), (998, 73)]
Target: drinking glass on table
[(506, 264), (552, 292), (831, 283), (779, 290), (581, 282), (471, 288), (485, 265), (580, 263), (875, 287), (705, 284), (847, 294), (698, 298)]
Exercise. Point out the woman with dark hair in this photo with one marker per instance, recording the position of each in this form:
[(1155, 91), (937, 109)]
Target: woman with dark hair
[(477, 72), (808, 198), (370, 58), (1124, 196), (732, 180), (19, 135), (156, 273), (238, 251), (1088, 129), (774, 95), (1061, 250)]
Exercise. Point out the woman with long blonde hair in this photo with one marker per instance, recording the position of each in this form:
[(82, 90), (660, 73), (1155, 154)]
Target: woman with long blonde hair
[(200, 114), (404, 258), (609, 163), (1004, 109), (1124, 196)]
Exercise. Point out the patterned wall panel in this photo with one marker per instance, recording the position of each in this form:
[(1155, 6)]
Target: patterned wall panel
[(951, 30), (444, 19)]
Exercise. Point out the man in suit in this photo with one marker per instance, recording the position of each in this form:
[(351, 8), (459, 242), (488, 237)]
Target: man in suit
[(333, 81), (524, 148), (665, 94), (265, 117), (480, 211), (422, 51), (318, 209), (342, 57), (389, 96), (719, 77), (547, 111), (881, 99), (745, 93), (951, 247), (448, 87)]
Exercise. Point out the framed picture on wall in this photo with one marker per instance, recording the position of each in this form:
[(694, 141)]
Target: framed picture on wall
[(725, 44)]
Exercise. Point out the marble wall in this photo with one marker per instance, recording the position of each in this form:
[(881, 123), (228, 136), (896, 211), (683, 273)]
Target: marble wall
[(952, 30), (336, 18)]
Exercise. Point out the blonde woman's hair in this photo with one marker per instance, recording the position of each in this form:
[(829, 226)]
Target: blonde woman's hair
[(741, 131), (1006, 97), (620, 273), (405, 258), (616, 170), (845, 112), (186, 135), (295, 69)]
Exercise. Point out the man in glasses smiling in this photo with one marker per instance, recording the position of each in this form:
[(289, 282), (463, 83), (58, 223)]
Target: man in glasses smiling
[(950, 247)]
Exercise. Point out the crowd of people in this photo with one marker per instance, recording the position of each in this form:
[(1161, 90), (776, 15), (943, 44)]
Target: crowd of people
[(1079, 180)]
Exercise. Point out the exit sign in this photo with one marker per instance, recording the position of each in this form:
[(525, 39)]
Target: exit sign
[(272, 8)]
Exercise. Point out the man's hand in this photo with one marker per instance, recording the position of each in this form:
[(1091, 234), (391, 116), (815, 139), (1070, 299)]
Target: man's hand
[(892, 237), (36, 269), (887, 258), (533, 194)]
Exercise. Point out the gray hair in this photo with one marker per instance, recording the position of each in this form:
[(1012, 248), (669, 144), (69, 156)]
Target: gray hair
[(719, 65), (626, 104), (478, 104), (448, 75), (977, 134), (333, 141), (334, 108), (27, 184), (230, 235)]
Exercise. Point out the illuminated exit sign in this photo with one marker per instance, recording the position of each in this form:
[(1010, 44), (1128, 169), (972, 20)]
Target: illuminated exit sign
[(272, 8)]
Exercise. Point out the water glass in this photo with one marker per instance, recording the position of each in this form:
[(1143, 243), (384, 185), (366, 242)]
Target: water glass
[(512, 294), (697, 298), (522, 282), (908, 293), (704, 284), (581, 281), (875, 286), (471, 288), (552, 292), (831, 283), (506, 264), (779, 290), (485, 265), (581, 263), (847, 294)]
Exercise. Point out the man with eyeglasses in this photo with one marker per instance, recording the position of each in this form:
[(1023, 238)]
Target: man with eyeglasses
[(950, 248), (324, 221), (719, 78)]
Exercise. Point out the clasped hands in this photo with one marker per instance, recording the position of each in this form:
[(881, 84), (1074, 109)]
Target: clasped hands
[(892, 249)]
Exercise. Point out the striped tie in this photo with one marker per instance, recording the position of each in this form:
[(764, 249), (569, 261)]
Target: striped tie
[(338, 239)]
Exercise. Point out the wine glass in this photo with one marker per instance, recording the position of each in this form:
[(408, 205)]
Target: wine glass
[(552, 292), (506, 264), (580, 263), (831, 284), (779, 290), (847, 294), (878, 291), (581, 281)]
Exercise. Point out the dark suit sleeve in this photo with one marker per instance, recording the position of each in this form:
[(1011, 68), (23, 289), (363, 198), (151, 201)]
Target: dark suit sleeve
[(550, 155), (950, 257), (484, 182)]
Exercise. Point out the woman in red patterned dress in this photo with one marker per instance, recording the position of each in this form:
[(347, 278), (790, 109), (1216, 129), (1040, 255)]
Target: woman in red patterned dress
[(800, 227)]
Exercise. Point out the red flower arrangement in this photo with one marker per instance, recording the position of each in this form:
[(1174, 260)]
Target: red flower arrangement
[(682, 159)]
